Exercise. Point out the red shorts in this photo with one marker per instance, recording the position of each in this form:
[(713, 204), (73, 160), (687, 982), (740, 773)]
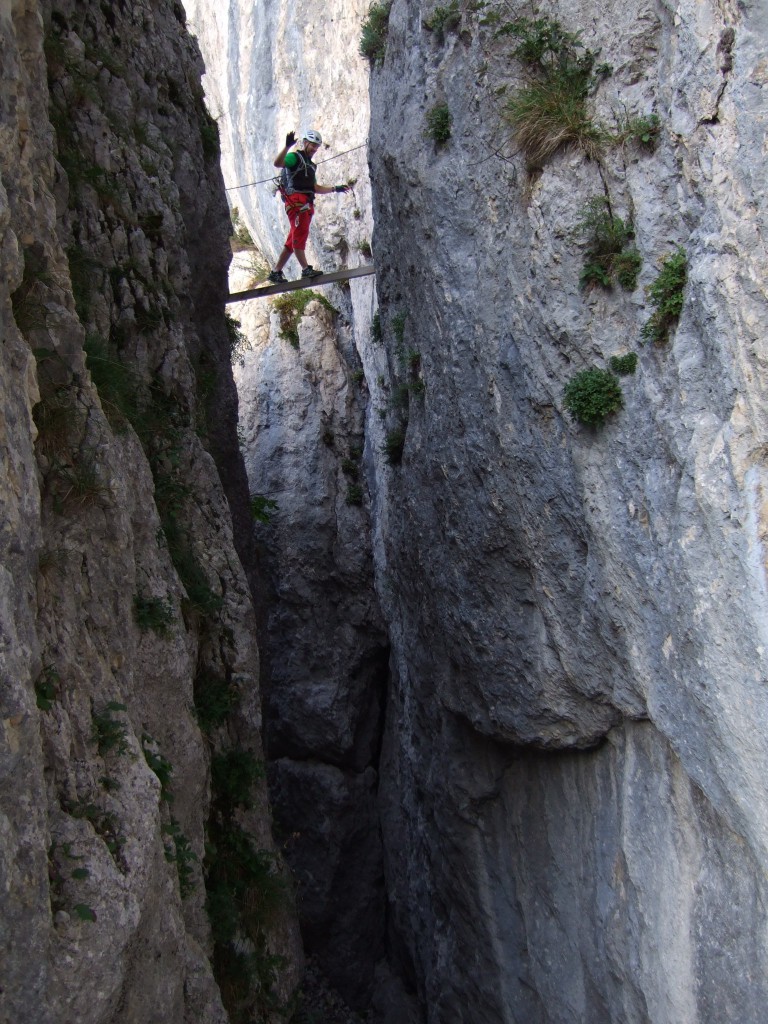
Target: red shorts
[(299, 219)]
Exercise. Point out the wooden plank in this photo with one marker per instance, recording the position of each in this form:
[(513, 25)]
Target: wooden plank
[(302, 282)]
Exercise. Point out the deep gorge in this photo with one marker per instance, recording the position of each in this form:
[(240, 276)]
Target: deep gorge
[(355, 645)]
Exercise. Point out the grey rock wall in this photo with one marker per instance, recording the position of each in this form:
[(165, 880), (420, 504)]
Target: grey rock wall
[(569, 788), (325, 648), (123, 595), (304, 436), (553, 587)]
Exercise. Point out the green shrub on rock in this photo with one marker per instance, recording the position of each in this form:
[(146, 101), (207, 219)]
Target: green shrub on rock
[(666, 294), (439, 122), (444, 19), (373, 41), (592, 396), (624, 365), (551, 111), (609, 254)]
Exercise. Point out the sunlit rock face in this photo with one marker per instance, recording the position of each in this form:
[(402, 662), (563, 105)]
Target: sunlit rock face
[(570, 783), (556, 588), (280, 67)]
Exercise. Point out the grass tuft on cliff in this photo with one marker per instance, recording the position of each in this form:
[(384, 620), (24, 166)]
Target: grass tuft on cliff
[(550, 112), (290, 308), (373, 42), (609, 256)]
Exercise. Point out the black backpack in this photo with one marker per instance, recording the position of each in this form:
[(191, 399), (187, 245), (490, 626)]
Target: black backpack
[(286, 181)]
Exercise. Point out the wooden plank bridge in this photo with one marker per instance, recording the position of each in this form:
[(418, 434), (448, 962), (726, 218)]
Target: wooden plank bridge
[(303, 282)]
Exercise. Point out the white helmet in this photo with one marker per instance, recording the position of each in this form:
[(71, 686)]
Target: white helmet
[(310, 135)]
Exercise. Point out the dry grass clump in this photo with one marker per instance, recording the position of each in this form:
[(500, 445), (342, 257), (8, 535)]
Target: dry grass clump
[(545, 118)]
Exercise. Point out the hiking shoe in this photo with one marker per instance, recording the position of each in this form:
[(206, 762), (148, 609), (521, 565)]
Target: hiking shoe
[(311, 272), (277, 277)]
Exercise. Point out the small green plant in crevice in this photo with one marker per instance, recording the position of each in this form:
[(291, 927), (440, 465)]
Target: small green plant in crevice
[(357, 376), (373, 41), (104, 824), (666, 293), (417, 385), (398, 327), (240, 233), (200, 597), (209, 132), (412, 360), (245, 890), (214, 698), (354, 494), (238, 342), (152, 613), (401, 395), (365, 250), (394, 444), (47, 688), (444, 18), (178, 850), (82, 173), (290, 309), (160, 765), (439, 122), (609, 255), (234, 773), (592, 395), (83, 912), (350, 468), (257, 267), (102, 55), (414, 384), (627, 266), (376, 332), (551, 111), (110, 734), (624, 365), (643, 129), (81, 483), (262, 508)]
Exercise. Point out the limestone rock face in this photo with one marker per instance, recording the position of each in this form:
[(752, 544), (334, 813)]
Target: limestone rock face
[(325, 650), (555, 587), (569, 787), (304, 402), (279, 67), (125, 610)]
